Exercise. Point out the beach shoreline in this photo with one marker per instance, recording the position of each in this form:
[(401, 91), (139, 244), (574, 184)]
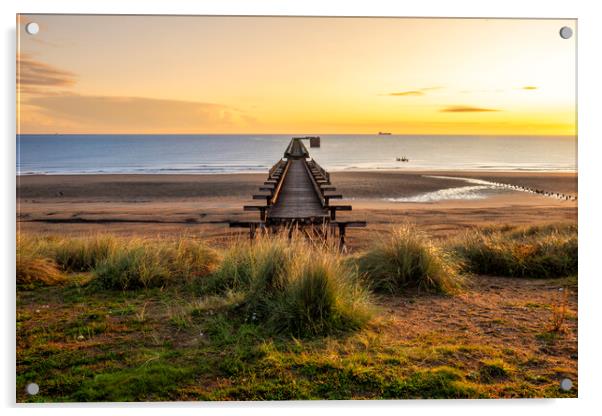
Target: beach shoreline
[(390, 183), (172, 205)]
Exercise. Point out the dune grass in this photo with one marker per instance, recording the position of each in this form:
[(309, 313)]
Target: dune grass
[(147, 264), (114, 263), (84, 254), (275, 319), (34, 266), (407, 258), (322, 296), (294, 286), (234, 272), (300, 286), (537, 251)]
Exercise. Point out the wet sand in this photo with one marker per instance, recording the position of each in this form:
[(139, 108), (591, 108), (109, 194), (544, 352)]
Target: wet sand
[(203, 204)]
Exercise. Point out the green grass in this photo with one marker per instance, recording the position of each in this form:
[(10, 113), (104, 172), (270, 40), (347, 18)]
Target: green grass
[(151, 380), (110, 319), (439, 383), (493, 370), (84, 254), (539, 252), (146, 264), (128, 356), (321, 296), (134, 268), (114, 263), (408, 259), (293, 286), (235, 271)]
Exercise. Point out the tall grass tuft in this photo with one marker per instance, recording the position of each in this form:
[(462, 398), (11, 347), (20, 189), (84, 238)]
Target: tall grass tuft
[(146, 263), (83, 254), (537, 251), (293, 285), (189, 259), (134, 267), (323, 295), (408, 259), (234, 272), (34, 266)]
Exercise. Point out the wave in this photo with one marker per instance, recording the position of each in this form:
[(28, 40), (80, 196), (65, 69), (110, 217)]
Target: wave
[(86, 154), (480, 189), (199, 169), (461, 193)]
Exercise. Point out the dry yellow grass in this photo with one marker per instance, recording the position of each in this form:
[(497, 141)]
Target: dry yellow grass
[(408, 258), (34, 267)]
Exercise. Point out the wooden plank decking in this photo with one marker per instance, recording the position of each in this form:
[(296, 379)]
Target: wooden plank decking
[(298, 192), (298, 199)]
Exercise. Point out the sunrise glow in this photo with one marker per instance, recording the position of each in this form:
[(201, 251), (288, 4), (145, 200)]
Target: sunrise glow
[(112, 74)]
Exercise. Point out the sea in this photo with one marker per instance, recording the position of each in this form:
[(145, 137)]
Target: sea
[(247, 153)]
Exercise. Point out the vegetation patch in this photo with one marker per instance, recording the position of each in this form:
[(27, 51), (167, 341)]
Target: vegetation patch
[(408, 259), (539, 251), (279, 319), (151, 380), (146, 264), (34, 267), (439, 383), (84, 254), (493, 371), (294, 286), (321, 296)]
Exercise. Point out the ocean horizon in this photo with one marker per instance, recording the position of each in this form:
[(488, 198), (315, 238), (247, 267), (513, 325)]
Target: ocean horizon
[(55, 154)]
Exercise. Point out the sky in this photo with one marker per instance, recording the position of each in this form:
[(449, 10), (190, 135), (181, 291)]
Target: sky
[(212, 75)]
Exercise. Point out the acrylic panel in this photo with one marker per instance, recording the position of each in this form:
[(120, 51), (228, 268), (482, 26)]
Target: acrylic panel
[(295, 208)]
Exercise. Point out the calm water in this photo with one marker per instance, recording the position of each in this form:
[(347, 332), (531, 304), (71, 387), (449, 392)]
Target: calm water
[(72, 154)]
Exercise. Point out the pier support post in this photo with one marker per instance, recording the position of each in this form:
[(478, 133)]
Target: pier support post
[(342, 228)]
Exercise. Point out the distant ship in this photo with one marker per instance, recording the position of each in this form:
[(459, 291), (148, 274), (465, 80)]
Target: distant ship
[(402, 159), (384, 133)]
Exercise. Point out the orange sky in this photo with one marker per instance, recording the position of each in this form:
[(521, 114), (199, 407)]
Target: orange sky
[(142, 74)]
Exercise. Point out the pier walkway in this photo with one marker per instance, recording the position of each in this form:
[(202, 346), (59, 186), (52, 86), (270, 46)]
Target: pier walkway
[(298, 193)]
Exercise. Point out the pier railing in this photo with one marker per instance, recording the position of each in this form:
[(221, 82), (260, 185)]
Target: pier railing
[(298, 192)]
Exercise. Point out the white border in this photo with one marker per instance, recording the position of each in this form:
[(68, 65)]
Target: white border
[(590, 68)]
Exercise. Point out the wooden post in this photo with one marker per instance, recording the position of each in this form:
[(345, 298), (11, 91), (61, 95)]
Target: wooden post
[(342, 228)]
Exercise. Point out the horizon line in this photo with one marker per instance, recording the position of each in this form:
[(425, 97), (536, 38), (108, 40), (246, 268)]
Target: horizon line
[(294, 134)]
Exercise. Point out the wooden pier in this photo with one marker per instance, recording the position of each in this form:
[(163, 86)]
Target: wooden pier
[(297, 194)]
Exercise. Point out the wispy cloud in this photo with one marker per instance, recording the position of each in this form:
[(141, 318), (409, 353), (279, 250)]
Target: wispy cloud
[(406, 93), (50, 99), (466, 109), (415, 93), (137, 114), (33, 75)]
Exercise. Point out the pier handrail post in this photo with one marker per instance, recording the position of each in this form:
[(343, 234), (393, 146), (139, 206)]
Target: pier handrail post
[(278, 188)]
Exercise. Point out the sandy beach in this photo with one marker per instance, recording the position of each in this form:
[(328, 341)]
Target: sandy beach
[(151, 205)]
